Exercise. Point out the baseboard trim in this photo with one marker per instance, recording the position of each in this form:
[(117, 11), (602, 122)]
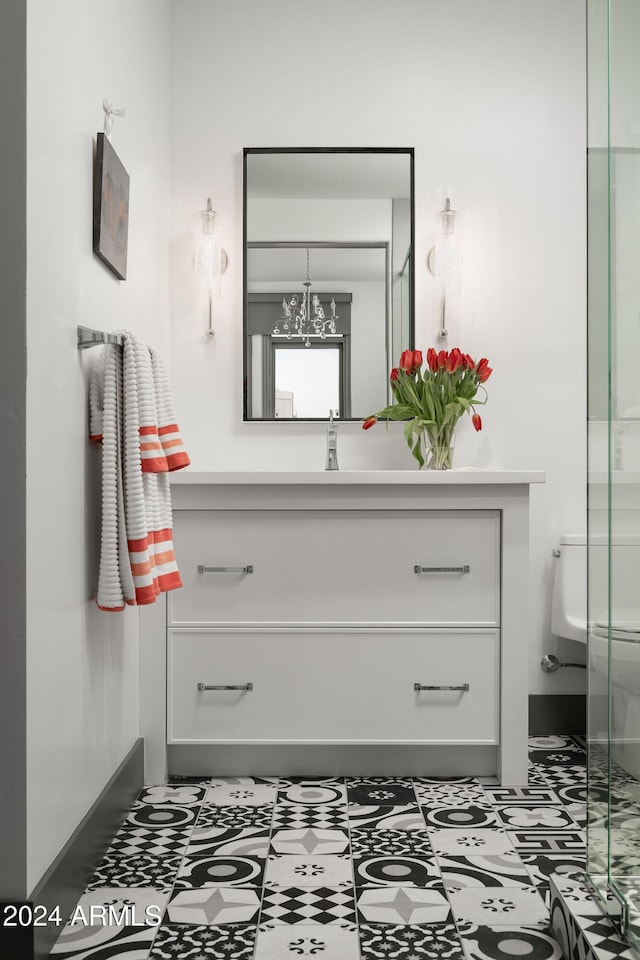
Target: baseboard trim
[(557, 713), (64, 882), (331, 760)]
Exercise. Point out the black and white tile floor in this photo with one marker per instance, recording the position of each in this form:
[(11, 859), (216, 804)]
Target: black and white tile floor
[(338, 868)]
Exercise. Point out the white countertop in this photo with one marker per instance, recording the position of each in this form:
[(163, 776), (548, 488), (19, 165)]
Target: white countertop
[(460, 476)]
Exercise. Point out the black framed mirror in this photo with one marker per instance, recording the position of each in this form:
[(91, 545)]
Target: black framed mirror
[(328, 279)]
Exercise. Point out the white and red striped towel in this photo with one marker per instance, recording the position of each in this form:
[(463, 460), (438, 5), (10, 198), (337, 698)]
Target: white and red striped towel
[(133, 416)]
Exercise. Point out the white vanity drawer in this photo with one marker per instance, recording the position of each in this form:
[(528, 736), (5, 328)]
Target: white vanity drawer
[(355, 686), (337, 566)]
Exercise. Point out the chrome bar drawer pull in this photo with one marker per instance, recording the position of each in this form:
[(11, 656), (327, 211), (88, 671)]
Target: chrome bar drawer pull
[(421, 686), (224, 686), (203, 569), (465, 569)]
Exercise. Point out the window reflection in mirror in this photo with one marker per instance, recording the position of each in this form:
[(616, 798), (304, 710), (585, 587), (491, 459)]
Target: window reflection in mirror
[(339, 224), (307, 381)]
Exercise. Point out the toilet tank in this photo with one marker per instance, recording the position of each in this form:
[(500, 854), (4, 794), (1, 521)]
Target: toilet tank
[(569, 598)]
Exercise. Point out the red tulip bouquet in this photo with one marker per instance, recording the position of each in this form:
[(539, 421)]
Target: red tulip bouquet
[(433, 401)]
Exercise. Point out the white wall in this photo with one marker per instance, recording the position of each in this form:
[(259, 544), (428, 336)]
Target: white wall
[(492, 97), (82, 693)]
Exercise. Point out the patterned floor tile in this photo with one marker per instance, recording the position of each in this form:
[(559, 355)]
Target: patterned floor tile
[(574, 793), (508, 943), (241, 794), (508, 905), (537, 776), (136, 871), (448, 780), (294, 870), (551, 743), (389, 843), (565, 757), (184, 795), (626, 821), (579, 895), (307, 905), (468, 843), (521, 817), (406, 817), (151, 815), (578, 813), (542, 866), (259, 817), (448, 795), (562, 927), (213, 906), (313, 794), (213, 842), (244, 781), (119, 906), (397, 871), (134, 841), (228, 841), (403, 905), (379, 781), (626, 790), (385, 794), (180, 940), (500, 870), (296, 816), (603, 937), (434, 941), (103, 943), (221, 871), (619, 844), (547, 841), (334, 941), (310, 841), (564, 776), (467, 816), (529, 796), (310, 781)]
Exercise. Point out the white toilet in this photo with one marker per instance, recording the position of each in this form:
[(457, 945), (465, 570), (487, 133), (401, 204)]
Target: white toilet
[(569, 616)]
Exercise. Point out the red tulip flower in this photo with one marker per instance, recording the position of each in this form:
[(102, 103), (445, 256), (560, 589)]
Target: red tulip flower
[(476, 420), (369, 422), (454, 360), (432, 359), (394, 374), (484, 371), (406, 361), (417, 359), (442, 359)]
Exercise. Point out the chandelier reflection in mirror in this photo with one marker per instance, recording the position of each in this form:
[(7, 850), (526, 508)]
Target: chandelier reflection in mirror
[(305, 316)]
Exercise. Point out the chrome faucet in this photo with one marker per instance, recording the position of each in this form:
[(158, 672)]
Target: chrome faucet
[(332, 445)]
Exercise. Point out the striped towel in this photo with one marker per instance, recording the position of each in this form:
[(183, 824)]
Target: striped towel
[(132, 415)]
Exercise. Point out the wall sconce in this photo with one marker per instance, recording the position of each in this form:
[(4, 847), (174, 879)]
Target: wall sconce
[(212, 259), (444, 261)]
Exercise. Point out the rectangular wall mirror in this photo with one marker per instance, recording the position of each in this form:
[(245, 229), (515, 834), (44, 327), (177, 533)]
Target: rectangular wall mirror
[(328, 279)]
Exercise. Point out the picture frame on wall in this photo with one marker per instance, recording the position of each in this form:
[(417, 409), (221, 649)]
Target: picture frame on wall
[(110, 208)]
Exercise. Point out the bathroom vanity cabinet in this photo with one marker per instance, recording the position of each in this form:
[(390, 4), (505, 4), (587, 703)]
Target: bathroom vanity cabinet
[(364, 622)]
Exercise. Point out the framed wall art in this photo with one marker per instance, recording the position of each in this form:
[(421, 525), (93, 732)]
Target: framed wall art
[(110, 208)]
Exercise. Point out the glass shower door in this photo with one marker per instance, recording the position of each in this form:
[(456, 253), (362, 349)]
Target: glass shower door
[(613, 831)]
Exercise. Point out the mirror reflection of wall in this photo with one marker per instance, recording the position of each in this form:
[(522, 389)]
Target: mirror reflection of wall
[(338, 224)]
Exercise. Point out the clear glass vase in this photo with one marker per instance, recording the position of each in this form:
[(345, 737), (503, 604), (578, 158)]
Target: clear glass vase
[(439, 449), (439, 457)]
